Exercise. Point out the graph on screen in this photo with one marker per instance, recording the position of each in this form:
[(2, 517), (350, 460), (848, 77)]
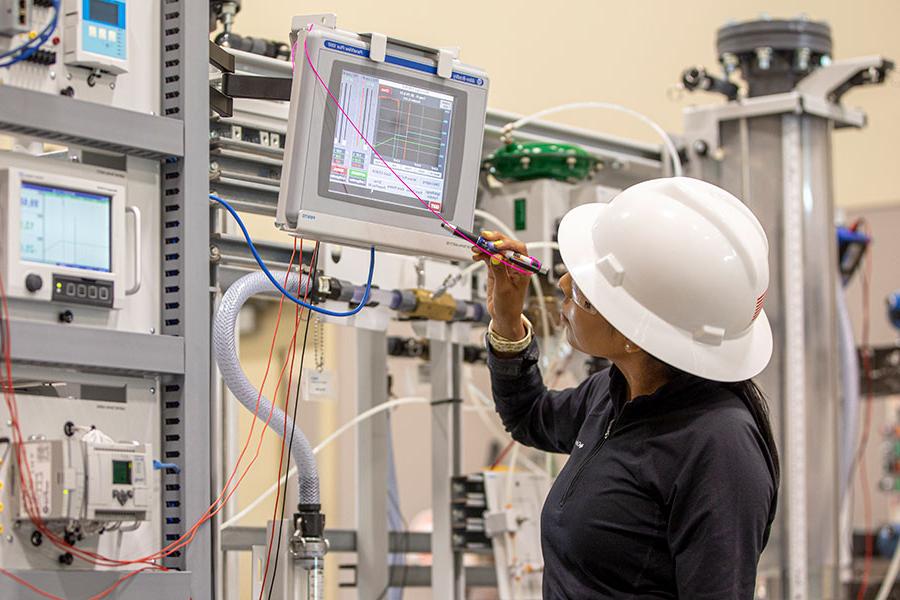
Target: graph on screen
[(65, 227), (410, 132), (408, 126)]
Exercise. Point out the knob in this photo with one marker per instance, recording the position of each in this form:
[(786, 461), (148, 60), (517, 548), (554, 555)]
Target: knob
[(33, 282), (66, 316)]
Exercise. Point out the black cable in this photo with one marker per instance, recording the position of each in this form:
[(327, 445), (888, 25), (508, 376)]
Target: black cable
[(287, 466)]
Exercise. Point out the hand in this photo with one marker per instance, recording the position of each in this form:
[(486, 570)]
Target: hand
[(506, 288)]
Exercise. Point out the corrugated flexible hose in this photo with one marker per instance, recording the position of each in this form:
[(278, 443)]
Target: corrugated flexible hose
[(225, 349)]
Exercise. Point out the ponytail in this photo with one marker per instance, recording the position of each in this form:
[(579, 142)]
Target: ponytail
[(755, 401)]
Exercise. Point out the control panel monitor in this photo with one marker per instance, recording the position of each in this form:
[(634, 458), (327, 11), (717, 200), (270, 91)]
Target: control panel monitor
[(99, 37), (65, 237), (347, 173)]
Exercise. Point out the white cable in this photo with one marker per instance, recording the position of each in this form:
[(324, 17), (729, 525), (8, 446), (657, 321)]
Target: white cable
[(888, 584), (365, 415), (538, 289), (666, 139), (487, 408), (498, 432), (356, 421), (330, 438)]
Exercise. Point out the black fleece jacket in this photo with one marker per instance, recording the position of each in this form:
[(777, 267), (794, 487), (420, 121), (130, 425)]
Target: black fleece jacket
[(670, 495)]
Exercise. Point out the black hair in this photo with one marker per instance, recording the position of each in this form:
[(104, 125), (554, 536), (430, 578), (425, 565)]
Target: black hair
[(755, 401)]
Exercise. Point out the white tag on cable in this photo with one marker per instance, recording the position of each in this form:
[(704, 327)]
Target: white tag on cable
[(316, 385)]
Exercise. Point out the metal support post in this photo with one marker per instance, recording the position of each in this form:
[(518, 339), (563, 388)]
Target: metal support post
[(186, 298), (372, 465), (447, 575)]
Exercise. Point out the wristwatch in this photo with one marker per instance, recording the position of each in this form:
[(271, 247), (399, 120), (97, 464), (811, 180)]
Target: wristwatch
[(506, 346)]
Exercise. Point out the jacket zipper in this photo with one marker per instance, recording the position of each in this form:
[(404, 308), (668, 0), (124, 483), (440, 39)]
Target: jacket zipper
[(590, 457)]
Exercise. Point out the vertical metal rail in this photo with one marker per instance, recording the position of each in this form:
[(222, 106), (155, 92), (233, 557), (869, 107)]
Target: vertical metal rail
[(795, 357), (371, 465), (186, 299), (447, 574)]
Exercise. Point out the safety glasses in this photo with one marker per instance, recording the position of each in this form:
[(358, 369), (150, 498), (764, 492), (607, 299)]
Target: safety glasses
[(581, 300)]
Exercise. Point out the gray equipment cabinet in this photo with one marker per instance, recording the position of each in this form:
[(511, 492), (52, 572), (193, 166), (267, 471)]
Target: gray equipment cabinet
[(179, 354)]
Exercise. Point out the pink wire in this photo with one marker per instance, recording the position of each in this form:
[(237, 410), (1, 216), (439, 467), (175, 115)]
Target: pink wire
[(391, 169)]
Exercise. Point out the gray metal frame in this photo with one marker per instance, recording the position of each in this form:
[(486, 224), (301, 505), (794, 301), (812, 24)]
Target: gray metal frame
[(791, 193), (447, 574), (371, 464), (180, 355), (68, 120), (82, 584), (186, 297), (148, 354)]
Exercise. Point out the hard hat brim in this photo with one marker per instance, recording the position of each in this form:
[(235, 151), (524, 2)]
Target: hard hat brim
[(736, 358)]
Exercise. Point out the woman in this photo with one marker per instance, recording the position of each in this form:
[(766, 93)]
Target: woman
[(671, 485)]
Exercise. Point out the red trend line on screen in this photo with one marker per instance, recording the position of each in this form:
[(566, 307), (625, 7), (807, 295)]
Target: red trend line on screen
[(337, 103)]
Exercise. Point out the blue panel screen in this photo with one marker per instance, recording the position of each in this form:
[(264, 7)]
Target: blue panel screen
[(104, 12), (103, 28), (67, 228)]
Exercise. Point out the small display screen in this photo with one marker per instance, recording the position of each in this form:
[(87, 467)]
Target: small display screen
[(121, 472), (67, 228), (408, 126), (104, 12)]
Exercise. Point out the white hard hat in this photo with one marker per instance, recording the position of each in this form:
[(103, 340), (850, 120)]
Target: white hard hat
[(680, 267)]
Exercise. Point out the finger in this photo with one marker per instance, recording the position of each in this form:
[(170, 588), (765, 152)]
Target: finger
[(503, 242), (508, 244)]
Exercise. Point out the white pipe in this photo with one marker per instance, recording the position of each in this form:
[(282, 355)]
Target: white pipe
[(888, 584), (666, 139), (324, 443), (353, 423)]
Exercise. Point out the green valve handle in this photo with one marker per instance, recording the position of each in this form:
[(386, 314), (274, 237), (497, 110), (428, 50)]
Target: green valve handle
[(540, 160)]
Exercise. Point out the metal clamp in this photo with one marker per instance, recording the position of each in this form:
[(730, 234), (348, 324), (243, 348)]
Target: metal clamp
[(377, 47)]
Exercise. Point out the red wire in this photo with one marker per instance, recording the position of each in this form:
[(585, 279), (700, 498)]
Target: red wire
[(28, 491), (287, 394), (34, 589), (863, 472), (502, 455)]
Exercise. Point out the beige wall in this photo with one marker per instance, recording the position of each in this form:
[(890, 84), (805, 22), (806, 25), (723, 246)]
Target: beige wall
[(540, 54), (626, 53)]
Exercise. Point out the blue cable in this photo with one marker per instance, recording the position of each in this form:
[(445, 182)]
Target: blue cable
[(281, 289), (31, 46), (164, 465)]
